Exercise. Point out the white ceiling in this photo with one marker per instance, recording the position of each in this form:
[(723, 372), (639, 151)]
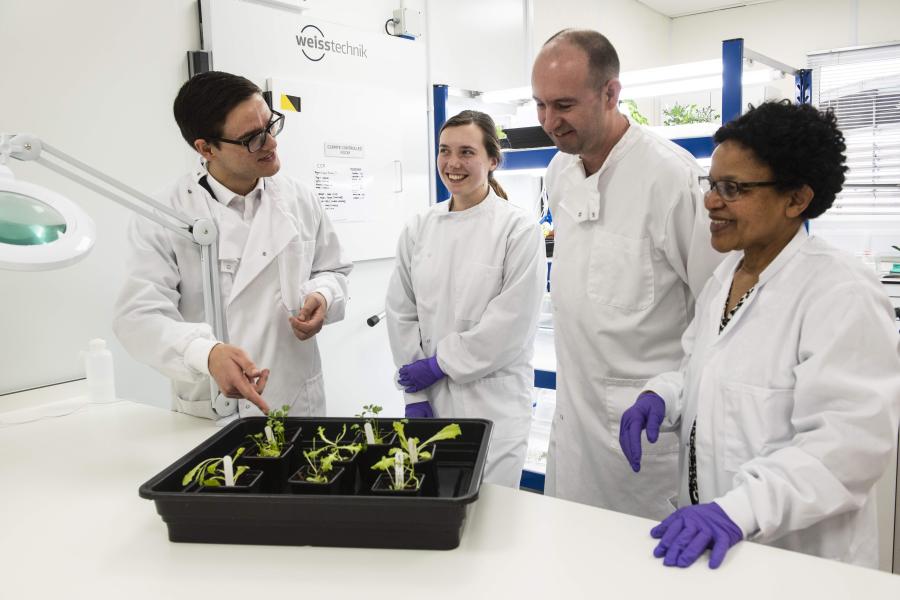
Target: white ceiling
[(682, 8)]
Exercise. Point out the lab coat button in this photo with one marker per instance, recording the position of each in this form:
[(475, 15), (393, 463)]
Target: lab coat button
[(190, 191), (579, 214), (264, 254)]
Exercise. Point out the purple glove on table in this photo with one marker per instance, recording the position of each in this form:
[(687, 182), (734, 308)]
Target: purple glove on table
[(687, 533), (416, 376), (419, 410), (647, 412)]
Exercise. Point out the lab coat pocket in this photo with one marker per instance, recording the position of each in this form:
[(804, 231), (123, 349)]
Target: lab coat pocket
[(757, 421), (294, 269), (478, 286), (620, 396), (620, 272)]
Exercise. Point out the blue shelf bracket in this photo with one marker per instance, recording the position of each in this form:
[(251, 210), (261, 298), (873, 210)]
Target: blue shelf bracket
[(804, 86), (732, 73), (440, 94)]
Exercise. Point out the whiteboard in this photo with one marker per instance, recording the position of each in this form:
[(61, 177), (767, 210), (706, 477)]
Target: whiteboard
[(360, 136)]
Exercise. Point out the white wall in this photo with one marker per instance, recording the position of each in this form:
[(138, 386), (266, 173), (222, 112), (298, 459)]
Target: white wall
[(477, 45)]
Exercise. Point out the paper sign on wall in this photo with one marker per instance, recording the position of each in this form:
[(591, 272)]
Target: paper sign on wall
[(341, 190)]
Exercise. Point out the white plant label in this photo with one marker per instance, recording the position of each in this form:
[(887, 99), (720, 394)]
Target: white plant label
[(228, 469), (413, 453), (370, 435), (398, 470), (270, 437)]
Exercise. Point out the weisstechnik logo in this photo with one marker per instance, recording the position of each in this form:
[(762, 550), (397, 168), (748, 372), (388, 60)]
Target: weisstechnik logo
[(314, 45)]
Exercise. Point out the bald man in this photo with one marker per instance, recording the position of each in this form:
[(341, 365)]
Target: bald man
[(632, 252)]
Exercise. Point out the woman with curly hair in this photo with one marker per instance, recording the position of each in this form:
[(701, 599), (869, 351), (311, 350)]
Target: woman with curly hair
[(788, 396)]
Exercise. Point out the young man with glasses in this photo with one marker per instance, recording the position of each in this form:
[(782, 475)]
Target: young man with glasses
[(282, 271), (632, 252)]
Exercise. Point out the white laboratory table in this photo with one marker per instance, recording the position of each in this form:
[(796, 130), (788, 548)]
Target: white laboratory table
[(72, 526)]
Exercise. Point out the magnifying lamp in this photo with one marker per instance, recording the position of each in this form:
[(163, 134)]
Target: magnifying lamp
[(41, 229)]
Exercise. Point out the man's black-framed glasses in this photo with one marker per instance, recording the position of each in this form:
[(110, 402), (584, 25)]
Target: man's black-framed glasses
[(255, 141), (730, 190)]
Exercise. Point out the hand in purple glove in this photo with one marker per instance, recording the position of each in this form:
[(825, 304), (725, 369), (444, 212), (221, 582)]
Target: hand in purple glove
[(419, 410), (687, 533), (647, 412), (416, 376)]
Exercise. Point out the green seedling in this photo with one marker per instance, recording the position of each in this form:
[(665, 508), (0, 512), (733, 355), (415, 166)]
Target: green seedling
[(423, 450), (274, 448), (209, 473), (408, 479), (320, 463), (343, 451), (369, 415)]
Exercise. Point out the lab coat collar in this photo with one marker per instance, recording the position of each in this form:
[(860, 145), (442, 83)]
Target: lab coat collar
[(489, 200), (582, 197), (726, 268), (725, 274), (225, 196), (271, 230)]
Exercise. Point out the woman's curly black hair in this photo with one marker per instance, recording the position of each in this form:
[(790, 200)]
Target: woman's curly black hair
[(799, 143)]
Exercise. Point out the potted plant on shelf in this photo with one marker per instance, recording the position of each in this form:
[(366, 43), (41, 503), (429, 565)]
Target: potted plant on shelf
[(218, 475), (319, 475), (271, 452)]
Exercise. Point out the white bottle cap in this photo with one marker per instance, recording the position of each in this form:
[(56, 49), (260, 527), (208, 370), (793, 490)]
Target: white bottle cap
[(97, 344)]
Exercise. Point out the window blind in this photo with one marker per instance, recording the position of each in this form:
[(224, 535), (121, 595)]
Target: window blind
[(862, 86)]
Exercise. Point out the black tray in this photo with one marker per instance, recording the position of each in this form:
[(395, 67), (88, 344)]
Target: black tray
[(359, 520)]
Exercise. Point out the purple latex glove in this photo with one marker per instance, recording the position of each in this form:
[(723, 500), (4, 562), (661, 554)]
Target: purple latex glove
[(687, 533), (419, 410), (416, 376), (647, 412)]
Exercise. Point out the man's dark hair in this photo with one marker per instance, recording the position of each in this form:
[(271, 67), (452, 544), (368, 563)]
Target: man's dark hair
[(603, 61), (204, 102), (799, 143)]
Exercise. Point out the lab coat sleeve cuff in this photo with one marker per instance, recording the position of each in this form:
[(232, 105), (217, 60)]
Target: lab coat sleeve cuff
[(736, 505), (668, 387), (326, 293), (196, 357)]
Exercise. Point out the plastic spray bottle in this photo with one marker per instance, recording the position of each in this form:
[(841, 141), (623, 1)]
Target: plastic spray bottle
[(98, 366)]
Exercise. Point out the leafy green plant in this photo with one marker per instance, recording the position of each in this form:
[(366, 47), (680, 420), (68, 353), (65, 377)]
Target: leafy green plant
[(636, 115), (274, 448), (209, 473), (422, 452), (408, 479), (343, 451), (682, 114), (320, 463), (369, 415)]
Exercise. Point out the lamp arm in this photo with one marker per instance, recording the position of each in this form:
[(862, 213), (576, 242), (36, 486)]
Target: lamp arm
[(203, 232), (26, 147)]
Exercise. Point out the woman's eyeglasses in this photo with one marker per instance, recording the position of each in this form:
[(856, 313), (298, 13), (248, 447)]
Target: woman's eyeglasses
[(730, 190)]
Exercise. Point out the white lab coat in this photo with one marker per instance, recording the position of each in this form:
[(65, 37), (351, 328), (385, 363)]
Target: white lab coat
[(796, 401), (632, 251), (468, 287), (291, 251)]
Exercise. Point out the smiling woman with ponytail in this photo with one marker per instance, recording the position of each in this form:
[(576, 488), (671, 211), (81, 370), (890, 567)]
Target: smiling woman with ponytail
[(463, 302)]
